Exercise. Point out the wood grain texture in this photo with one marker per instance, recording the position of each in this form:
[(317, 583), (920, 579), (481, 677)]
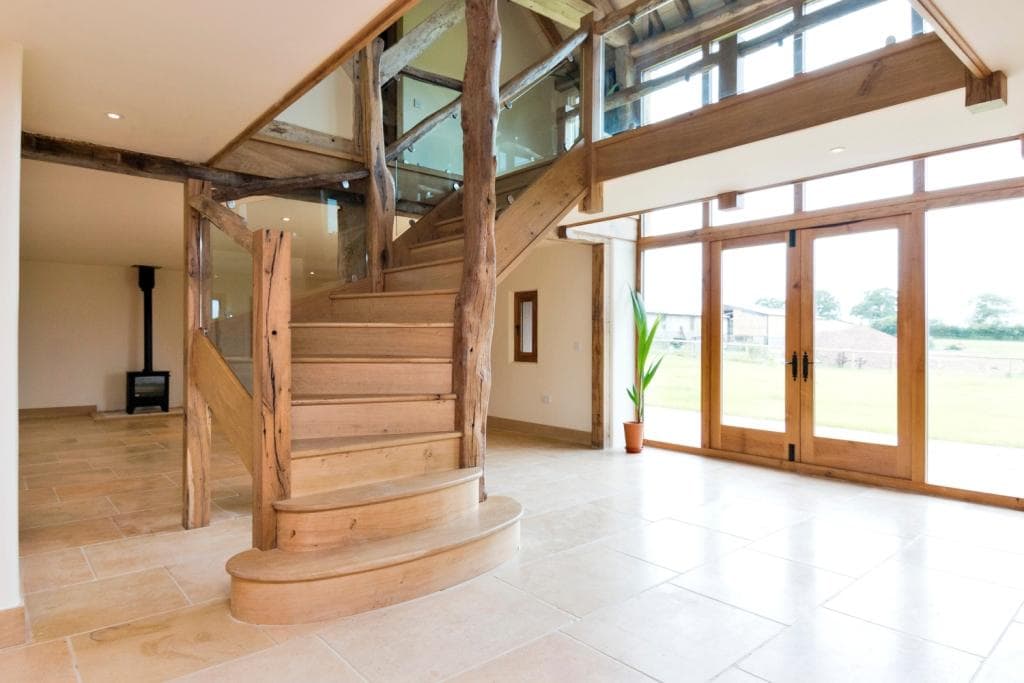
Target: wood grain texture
[(917, 68), (229, 222), (597, 361), (420, 38), (266, 158), (196, 423), (13, 628), (984, 94), (380, 187), (565, 12), (474, 306), (592, 106), (299, 137), (228, 401), (271, 382)]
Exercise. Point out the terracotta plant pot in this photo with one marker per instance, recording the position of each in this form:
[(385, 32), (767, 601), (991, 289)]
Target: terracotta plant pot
[(634, 436)]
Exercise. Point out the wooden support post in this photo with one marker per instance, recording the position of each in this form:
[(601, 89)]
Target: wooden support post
[(727, 201), (597, 346), (380, 186), (474, 307), (271, 380), (592, 104), (195, 483)]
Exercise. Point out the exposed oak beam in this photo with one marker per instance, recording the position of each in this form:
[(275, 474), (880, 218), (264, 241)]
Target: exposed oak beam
[(114, 160), (440, 80), (380, 187), (986, 93), (307, 139), (627, 15), (565, 12), (229, 222), (548, 29), (710, 21), (953, 39), (416, 41)]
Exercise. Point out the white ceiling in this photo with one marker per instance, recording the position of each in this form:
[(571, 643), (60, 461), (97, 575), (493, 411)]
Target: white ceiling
[(187, 75)]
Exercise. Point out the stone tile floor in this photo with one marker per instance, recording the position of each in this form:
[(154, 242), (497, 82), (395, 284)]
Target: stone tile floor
[(663, 566)]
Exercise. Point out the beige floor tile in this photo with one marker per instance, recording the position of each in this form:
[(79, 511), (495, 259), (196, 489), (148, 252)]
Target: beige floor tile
[(582, 580), (674, 545), (64, 513), (67, 479), (751, 519), (144, 552), (49, 538), (34, 497), (110, 486), (42, 663), (840, 649), (674, 635), (442, 634), (770, 586), (305, 660), (951, 610), (53, 570), (1006, 663), (204, 578), (134, 501), (735, 675), (553, 532), (161, 519), (28, 469), (555, 658), (834, 547), (163, 646), (965, 559), (87, 606)]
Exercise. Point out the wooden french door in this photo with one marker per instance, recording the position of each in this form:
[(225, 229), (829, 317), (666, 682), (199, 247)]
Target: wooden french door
[(809, 339)]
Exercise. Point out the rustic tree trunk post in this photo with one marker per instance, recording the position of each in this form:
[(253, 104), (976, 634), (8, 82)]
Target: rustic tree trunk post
[(198, 435), (380, 187), (474, 307)]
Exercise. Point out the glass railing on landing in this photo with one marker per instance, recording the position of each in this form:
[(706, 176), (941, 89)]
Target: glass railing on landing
[(227, 295)]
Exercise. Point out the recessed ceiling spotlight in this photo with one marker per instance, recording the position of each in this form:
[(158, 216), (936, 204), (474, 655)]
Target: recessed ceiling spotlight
[(837, 150), (286, 219), (345, 184), (114, 116), (312, 272)]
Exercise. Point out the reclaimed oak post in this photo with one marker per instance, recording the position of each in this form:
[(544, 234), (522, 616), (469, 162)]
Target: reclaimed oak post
[(271, 380), (380, 187), (197, 424), (474, 307), (592, 111)]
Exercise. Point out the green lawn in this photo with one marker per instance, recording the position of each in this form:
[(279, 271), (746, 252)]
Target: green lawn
[(962, 407)]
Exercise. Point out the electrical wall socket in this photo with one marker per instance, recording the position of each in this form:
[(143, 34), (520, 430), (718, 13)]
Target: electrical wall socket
[(576, 346), (545, 399)]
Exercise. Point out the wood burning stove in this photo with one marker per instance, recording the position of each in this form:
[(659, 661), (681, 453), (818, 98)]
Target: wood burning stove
[(147, 387)]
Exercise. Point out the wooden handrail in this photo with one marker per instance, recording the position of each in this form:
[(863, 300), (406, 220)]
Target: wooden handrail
[(512, 88)]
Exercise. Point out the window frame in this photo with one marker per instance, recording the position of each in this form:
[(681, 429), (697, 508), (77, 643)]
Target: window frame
[(518, 355)]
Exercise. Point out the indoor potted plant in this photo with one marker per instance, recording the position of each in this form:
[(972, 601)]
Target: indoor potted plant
[(645, 332)]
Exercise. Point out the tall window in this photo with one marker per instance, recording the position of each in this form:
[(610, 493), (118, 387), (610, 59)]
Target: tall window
[(526, 327)]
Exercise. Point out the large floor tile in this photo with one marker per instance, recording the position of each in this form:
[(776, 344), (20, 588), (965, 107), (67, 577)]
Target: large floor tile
[(582, 580), (1006, 663), (65, 513), (674, 635), (49, 538), (674, 545), (837, 648), (553, 532), (750, 519), (53, 570), (87, 606), (556, 658), (833, 547), (42, 663), (163, 646), (442, 634), (770, 586), (966, 559), (963, 613), (305, 660)]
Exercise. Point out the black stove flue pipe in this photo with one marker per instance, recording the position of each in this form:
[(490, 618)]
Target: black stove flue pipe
[(147, 280)]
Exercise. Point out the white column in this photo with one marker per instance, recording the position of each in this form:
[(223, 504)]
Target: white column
[(10, 195)]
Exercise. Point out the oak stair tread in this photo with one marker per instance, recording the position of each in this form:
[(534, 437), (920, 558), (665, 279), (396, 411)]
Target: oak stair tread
[(360, 325), (332, 399), (279, 566), (409, 292), (309, 448), (378, 492), (342, 358), (436, 242), (449, 221), (425, 264)]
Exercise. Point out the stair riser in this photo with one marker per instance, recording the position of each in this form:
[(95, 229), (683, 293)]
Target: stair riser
[(429, 308), (436, 252), (359, 419), (449, 229), (373, 341), (304, 601), (325, 379), (301, 531), (442, 276), (338, 470)]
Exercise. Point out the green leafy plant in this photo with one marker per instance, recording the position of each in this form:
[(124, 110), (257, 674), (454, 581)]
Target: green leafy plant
[(645, 331)]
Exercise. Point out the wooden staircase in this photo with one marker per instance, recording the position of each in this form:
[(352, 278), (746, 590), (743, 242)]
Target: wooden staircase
[(379, 510)]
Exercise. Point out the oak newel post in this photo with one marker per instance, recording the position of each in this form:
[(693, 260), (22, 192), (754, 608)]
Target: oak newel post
[(271, 380), (474, 307)]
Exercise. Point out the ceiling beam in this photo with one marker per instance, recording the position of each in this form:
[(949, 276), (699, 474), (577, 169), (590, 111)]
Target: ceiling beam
[(278, 186), (627, 15), (548, 29), (422, 36), (952, 37), (565, 12), (624, 36), (733, 12), (127, 162), (440, 80)]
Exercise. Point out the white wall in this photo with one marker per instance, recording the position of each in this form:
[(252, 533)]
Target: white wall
[(10, 193), (81, 330), (561, 274), (327, 107)]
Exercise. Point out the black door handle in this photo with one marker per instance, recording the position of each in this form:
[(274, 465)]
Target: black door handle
[(792, 365), (807, 365)]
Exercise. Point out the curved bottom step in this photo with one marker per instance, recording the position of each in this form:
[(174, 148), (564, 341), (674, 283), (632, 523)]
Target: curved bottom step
[(279, 587)]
